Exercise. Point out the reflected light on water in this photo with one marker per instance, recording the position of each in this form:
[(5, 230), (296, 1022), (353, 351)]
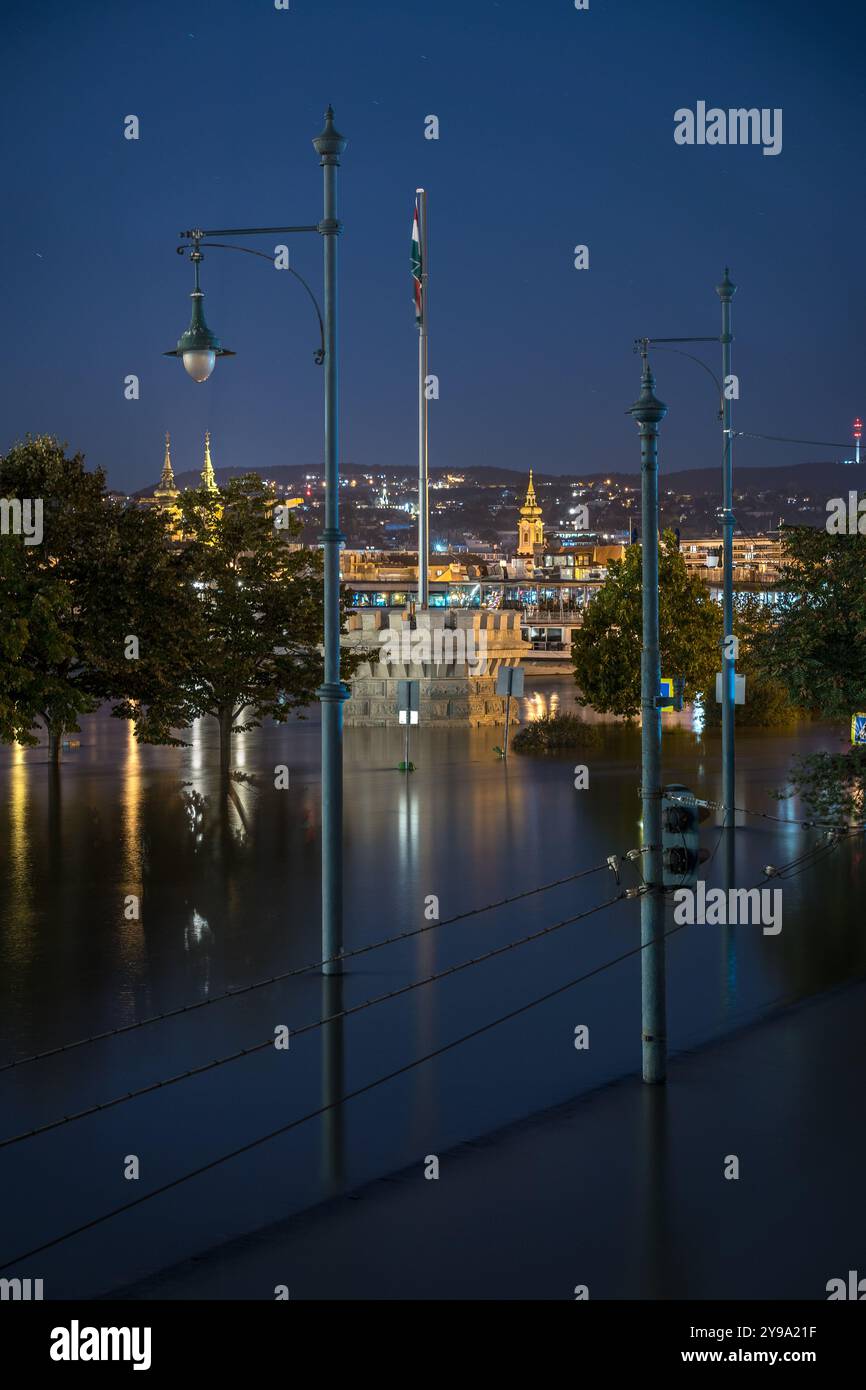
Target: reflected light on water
[(538, 704), (131, 803), (408, 825), (19, 870), (132, 928), (197, 931), (699, 716), (196, 746)]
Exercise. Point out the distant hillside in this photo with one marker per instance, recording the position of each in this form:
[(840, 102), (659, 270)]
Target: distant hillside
[(828, 479)]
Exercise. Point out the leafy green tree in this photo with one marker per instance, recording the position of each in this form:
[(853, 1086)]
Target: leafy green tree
[(833, 785), (816, 648), (817, 645), (606, 649), (768, 702), (53, 613), (140, 650), (251, 608)]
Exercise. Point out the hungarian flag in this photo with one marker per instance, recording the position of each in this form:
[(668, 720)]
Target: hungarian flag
[(417, 268)]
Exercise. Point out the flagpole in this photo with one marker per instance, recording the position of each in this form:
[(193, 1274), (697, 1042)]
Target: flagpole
[(423, 403)]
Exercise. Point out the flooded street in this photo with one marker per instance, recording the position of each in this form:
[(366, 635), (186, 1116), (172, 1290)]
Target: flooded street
[(229, 895)]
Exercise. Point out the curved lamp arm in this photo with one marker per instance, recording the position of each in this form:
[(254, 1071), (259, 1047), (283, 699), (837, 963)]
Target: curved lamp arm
[(662, 346), (192, 247), (700, 363)]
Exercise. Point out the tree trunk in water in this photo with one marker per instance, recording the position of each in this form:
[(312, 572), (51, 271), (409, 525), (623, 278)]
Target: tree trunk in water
[(53, 747), (225, 723)]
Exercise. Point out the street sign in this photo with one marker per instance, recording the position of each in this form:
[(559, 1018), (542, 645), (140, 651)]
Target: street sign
[(858, 728), (666, 687), (509, 681), (408, 701), (408, 713), (739, 689)]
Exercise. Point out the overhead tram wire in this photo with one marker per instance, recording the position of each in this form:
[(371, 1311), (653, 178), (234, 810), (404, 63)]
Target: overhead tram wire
[(304, 1029), (240, 990), (663, 345), (341, 1100), (801, 862), (299, 970), (350, 1095), (376, 945), (816, 855), (806, 824), (783, 439)]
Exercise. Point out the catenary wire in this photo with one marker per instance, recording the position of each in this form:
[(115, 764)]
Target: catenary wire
[(299, 970), (299, 1032), (341, 1100), (765, 815)]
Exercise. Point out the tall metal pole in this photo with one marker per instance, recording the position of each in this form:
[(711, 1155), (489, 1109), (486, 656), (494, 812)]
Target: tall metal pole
[(649, 412), (726, 291), (423, 410), (329, 146)]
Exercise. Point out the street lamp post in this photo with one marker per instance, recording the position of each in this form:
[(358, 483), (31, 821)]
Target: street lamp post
[(199, 349), (329, 146), (726, 291), (648, 412)]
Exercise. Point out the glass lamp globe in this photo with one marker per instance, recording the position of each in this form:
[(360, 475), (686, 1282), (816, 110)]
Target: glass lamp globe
[(199, 363)]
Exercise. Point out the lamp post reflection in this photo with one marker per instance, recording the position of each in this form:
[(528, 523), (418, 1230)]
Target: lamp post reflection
[(333, 1085)]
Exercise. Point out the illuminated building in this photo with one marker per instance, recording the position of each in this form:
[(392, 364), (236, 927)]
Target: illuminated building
[(530, 529)]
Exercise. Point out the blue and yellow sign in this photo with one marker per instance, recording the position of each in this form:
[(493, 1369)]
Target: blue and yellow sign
[(858, 728), (666, 687)]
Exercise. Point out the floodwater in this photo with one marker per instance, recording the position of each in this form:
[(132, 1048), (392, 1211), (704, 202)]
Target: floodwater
[(229, 895)]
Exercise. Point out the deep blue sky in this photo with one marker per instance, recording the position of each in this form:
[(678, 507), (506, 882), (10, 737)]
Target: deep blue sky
[(556, 129)]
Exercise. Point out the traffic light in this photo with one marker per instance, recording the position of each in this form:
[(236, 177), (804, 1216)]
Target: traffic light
[(681, 848)]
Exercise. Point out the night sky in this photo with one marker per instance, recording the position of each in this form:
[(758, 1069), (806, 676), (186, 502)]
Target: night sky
[(556, 129)]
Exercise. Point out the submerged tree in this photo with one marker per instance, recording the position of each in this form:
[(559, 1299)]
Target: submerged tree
[(817, 644), (252, 619), (606, 649), (53, 611), (832, 785), (768, 701), (816, 648)]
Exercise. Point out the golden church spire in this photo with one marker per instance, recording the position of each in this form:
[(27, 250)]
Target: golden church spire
[(208, 476), (530, 528), (166, 482), (166, 492)]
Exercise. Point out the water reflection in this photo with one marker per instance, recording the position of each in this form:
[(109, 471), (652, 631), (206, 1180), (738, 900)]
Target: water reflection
[(20, 876), (131, 928), (540, 705), (196, 738), (229, 885), (699, 716), (333, 1084)]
